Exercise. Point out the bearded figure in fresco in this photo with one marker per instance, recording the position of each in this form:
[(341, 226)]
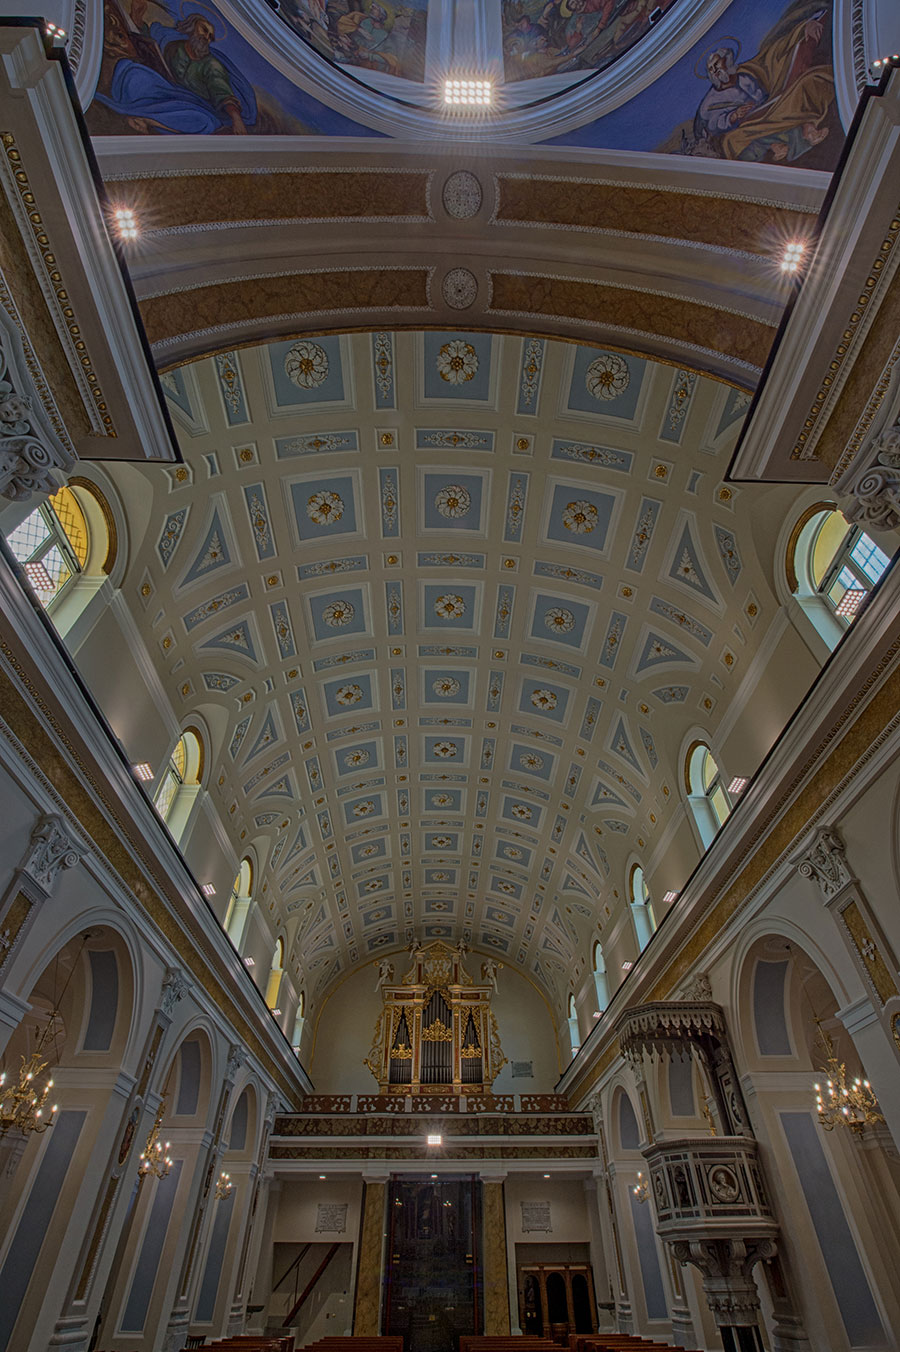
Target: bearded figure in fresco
[(165, 78), (775, 106)]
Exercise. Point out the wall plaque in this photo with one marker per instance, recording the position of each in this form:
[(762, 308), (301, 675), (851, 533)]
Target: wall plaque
[(536, 1216), (331, 1216)]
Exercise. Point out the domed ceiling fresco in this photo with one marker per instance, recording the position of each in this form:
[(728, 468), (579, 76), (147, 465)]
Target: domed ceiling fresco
[(449, 604), (752, 80)]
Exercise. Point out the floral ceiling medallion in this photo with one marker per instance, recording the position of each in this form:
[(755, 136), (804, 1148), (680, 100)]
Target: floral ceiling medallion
[(559, 620), (450, 607), (457, 362), (325, 507), (338, 614), (580, 516), (349, 694), (607, 377), (446, 686), (306, 364), (453, 500), (544, 699)]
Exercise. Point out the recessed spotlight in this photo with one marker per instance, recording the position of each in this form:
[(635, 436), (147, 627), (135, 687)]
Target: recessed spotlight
[(793, 256), (850, 601), (143, 770), (125, 223), (468, 93), (208, 889), (627, 966), (434, 1138), (249, 962), (38, 576), (738, 784), (669, 898)]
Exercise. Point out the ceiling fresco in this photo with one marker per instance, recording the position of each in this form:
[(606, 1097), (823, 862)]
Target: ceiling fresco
[(752, 80), (450, 603)]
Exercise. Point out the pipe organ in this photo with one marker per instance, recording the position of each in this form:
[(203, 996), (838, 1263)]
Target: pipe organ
[(436, 1033)]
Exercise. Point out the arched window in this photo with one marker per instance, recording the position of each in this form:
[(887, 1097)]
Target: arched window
[(601, 985), (298, 1023), (52, 544), (276, 972), (707, 794), (180, 782), (641, 906), (574, 1034), (238, 908), (831, 567)]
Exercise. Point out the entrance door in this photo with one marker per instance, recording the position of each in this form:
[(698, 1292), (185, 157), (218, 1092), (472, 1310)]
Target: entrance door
[(433, 1269)]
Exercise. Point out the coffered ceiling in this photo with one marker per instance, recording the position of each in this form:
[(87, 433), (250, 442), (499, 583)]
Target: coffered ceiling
[(450, 604)]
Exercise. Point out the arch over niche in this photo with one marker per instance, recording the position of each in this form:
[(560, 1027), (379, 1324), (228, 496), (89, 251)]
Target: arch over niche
[(179, 783), (787, 999)]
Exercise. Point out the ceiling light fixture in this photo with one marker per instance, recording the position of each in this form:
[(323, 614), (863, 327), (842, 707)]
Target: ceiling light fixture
[(793, 256), (249, 962), (276, 1013), (546, 1175), (596, 1014), (155, 1155), (208, 889), (125, 223), (322, 1176), (738, 784), (434, 1138), (143, 770), (38, 576), (468, 93), (627, 966), (850, 601), (669, 897), (224, 1186), (641, 1189)]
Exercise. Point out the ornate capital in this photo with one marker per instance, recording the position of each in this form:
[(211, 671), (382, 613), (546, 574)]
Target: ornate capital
[(700, 988), (26, 467), (727, 1269), (236, 1058), (874, 499), (174, 988), (51, 849), (826, 864)]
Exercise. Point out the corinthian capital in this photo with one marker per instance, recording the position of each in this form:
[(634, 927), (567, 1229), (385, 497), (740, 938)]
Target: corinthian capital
[(826, 864)]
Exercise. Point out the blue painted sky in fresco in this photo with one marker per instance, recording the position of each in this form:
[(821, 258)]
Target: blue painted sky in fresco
[(648, 120)]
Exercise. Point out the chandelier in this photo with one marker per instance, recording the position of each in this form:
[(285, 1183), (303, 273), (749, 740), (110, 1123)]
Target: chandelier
[(224, 1186), (641, 1189), (23, 1101), (844, 1102), (155, 1156)]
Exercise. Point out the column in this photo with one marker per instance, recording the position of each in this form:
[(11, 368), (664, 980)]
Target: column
[(600, 1285), (496, 1282), (367, 1308)]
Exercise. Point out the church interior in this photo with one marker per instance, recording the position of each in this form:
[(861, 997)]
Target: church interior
[(420, 929)]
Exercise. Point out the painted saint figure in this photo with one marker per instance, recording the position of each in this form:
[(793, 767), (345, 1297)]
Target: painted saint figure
[(773, 107), (166, 78)]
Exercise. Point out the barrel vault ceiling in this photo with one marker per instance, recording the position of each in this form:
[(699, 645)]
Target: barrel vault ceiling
[(449, 604)]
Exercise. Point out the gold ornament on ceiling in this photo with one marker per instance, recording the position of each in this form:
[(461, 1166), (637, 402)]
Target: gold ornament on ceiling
[(306, 364), (580, 516), (338, 614), (457, 362), (607, 376), (324, 508), (453, 500)]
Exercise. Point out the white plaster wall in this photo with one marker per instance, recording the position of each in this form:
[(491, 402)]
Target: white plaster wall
[(568, 1213)]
